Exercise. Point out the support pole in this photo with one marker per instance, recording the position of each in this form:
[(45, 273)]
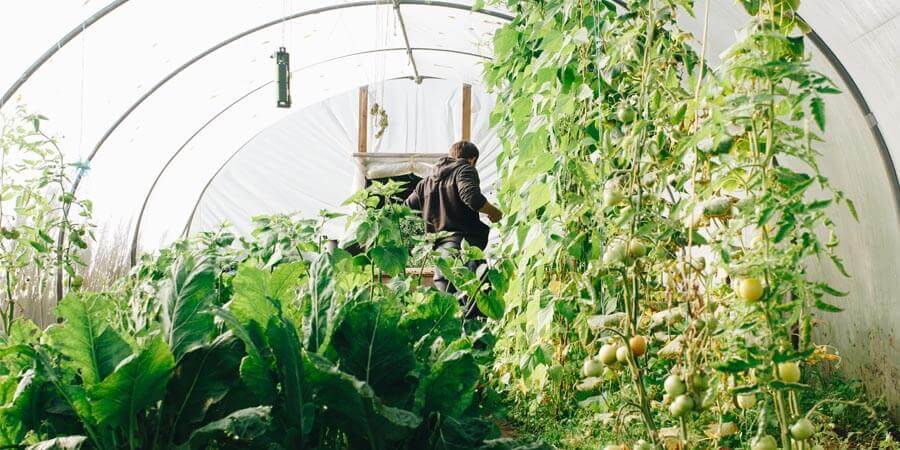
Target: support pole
[(363, 119), (467, 112)]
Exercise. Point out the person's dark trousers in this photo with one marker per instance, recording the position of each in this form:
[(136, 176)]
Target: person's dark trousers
[(447, 248)]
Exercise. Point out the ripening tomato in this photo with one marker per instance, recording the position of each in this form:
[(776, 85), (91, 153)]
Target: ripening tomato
[(638, 345)]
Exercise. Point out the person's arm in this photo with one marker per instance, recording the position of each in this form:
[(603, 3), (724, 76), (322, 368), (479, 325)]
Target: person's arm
[(414, 201), (469, 186)]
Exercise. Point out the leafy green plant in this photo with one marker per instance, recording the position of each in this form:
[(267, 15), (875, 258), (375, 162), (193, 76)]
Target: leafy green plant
[(40, 244), (275, 341)]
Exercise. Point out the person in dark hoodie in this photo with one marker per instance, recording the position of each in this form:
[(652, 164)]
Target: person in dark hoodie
[(450, 200)]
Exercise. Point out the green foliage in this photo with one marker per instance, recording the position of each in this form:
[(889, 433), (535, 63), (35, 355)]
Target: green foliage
[(44, 227), (278, 343), (634, 179)]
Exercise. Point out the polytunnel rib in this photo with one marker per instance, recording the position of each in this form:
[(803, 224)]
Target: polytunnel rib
[(190, 221), (80, 28), (863, 105), (137, 229)]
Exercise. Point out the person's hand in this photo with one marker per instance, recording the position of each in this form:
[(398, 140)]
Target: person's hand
[(494, 215)]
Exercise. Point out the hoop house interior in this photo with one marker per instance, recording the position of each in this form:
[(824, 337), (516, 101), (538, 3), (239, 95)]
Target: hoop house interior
[(173, 103)]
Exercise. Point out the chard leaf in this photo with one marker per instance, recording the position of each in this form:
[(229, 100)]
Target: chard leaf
[(288, 354), (243, 425), (90, 346), (450, 386), (138, 382), (353, 407), (186, 298), (370, 345), (60, 443), (203, 377)]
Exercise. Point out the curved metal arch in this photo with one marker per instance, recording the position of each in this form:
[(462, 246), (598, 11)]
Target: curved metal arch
[(140, 218), (72, 34)]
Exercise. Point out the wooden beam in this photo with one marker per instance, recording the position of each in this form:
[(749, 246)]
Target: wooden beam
[(467, 112), (363, 119)]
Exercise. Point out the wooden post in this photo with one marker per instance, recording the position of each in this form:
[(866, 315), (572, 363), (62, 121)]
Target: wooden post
[(467, 112), (363, 119)]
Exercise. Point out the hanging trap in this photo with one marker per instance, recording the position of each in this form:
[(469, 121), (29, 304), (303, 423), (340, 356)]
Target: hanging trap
[(283, 61)]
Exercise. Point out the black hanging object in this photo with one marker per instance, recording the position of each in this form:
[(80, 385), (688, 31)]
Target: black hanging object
[(283, 59)]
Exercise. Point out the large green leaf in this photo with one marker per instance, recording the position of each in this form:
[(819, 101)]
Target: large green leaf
[(449, 387), (186, 297), (351, 406), (202, 378), (135, 384), (90, 346), (390, 259), (451, 433), (320, 306), (20, 412), (60, 443), (436, 317), (371, 346), (296, 414), (237, 430), (259, 294), (254, 368)]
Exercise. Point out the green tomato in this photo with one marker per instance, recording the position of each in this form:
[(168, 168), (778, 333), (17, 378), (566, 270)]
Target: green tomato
[(614, 254), (682, 405), (789, 372), (622, 354), (699, 382), (591, 368), (802, 429), (765, 442), (749, 289), (607, 354), (612, 197), (636, 249), (77, 282), (626, 114), (746, 401), (674, 386)]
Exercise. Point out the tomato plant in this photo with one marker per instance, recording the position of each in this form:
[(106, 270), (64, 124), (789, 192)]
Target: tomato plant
[(661, 197), (44, 227)]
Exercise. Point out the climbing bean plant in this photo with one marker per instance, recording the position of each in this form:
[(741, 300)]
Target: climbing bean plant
[(661, 214)]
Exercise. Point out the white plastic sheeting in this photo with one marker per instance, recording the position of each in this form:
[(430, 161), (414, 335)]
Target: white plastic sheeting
[(139, 64)]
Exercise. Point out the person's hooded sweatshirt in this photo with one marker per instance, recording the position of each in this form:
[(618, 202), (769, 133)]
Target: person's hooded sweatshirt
[(449, 199)]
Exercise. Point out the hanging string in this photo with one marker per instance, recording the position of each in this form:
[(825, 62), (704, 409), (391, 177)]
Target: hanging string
[(284, 15), (81, 93)]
